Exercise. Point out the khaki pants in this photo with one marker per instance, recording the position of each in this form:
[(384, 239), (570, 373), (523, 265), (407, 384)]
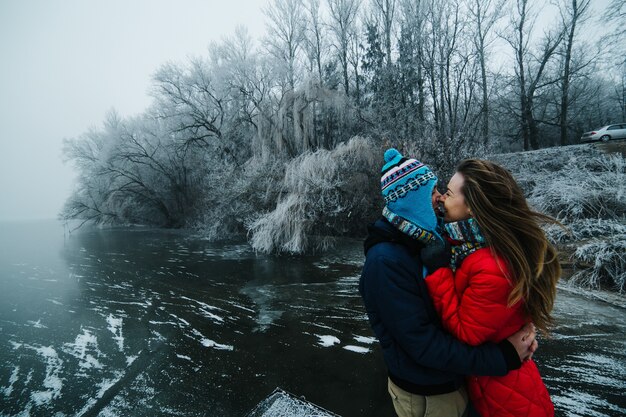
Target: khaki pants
[(453, 404)]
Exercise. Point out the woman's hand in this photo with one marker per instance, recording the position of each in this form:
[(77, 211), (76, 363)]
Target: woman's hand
[(525, 341)]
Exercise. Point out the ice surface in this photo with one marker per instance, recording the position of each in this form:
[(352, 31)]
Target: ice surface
[(303, 307), (183, 321), (582, 404), (240, 307), (37, 324), (201, 304)]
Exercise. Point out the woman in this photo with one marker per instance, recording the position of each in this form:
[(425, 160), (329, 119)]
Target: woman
[(503, 274)]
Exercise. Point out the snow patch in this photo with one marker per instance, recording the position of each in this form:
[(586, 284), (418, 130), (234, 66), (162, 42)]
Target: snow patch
[(108, 383), (210, 343), (211, 316), (103, 387), (357, 349), (12, 380), (185, 322), (365, 340), (81, 347), (183, 357), (115, 327), (250, 310), (201, 304), (206, 342), (52, 381), (327, 340)]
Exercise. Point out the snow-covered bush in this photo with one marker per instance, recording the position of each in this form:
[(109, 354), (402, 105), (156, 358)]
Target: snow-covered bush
[(441, 156), (324, 193), (573, 183), (533, 168), (584, 229), (234, 194), (536, 168), (603, 263), (584, 188)]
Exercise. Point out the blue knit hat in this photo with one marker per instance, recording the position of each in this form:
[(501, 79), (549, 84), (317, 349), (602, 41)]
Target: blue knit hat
[(407, 186)]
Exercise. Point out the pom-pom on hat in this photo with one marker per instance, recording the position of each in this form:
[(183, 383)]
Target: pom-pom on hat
[(407, 186)]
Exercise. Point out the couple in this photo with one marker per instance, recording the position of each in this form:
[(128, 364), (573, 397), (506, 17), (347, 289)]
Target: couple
[(447, 300)]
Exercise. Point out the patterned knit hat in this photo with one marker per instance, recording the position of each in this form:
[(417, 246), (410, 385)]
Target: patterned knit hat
[(407, 186)]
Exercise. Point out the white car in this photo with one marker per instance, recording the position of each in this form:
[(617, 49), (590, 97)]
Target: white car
[(605, 133)]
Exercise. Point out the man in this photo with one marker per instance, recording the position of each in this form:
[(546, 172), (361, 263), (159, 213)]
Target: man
[(426, 365)]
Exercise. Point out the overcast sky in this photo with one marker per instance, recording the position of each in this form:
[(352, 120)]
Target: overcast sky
[(65, 63)]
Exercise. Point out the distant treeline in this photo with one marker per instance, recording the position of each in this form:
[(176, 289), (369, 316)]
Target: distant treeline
[(257, 139)]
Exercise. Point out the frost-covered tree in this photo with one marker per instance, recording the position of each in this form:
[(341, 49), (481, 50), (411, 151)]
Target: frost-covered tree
[(576, 12), (485, 14), (386, 11), (343, 14), (133, 171), (251, 85), (530, 67), (270, 124), (315, 39), (192, 99), (325, 193), (615, 16), (286, 35)]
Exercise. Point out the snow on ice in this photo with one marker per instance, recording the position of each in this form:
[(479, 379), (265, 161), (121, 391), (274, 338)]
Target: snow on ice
[(357, 349), (365, 339), (115, 327), (85, 343), (327, 340), (52, 381)]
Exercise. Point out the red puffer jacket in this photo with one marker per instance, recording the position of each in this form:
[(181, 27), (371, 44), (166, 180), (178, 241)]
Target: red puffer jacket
[(473, 306)]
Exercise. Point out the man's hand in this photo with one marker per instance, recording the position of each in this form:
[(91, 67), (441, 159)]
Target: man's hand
[(525, 342), (436, 255)]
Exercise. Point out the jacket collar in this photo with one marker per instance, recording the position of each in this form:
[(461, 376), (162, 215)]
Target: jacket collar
[(383, 231)]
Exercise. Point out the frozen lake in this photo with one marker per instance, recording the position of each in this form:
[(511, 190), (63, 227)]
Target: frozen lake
[(139, 322)]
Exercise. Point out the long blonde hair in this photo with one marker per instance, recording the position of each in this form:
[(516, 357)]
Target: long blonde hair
[(511, 229)]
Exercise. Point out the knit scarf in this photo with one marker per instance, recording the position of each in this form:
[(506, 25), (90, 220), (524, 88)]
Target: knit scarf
[(409, 228), (466, 239)]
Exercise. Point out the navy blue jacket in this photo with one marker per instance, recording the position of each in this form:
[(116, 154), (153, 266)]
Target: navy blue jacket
[(420, 356)]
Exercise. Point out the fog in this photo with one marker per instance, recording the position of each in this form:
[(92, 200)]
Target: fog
[(64, 64)]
